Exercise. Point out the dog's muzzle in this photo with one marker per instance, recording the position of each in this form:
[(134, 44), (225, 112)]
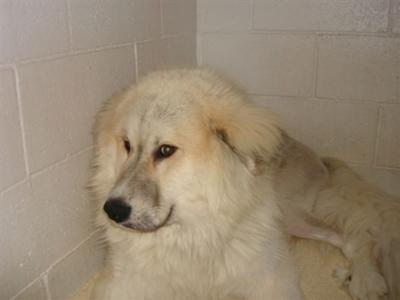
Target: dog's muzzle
[(122, 213)]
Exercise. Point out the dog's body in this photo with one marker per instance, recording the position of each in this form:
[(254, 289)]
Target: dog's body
[(195, 179), (221, 235), (367, 218)]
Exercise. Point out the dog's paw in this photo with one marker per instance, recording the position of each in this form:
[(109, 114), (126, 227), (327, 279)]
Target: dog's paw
[(343, 276), (366, 284)]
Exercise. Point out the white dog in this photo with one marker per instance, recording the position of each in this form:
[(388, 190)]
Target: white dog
[(197, 188), (190, 214)]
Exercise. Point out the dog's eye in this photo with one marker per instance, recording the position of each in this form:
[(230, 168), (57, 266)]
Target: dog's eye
[(164, 151), (127, 145)]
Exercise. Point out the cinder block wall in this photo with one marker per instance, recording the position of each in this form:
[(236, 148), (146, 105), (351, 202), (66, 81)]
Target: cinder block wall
[(330, 68), (59, 59)]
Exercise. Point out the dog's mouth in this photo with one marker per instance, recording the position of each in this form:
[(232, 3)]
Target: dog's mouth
[(145, 224)]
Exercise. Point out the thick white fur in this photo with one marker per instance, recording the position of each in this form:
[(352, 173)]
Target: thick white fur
[(367, 218), (225, 239), (370, 222)]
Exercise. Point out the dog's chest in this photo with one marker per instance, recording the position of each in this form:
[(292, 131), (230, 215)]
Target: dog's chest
[(178, 278)]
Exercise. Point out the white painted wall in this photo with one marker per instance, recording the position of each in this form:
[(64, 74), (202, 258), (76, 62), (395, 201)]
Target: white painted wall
[(59, 59), (330, 68)]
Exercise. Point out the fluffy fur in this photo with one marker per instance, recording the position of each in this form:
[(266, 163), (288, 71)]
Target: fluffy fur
[(235, 186), (370, 222), (224, 239), (367, 218)]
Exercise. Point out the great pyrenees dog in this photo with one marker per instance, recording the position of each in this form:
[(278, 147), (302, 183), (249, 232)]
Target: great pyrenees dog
[(198, 188)]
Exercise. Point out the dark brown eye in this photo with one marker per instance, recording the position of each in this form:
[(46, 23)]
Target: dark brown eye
[(127, 145), (164, 151)]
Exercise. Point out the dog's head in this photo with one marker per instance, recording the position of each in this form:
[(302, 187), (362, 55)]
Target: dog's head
[(176, 148)]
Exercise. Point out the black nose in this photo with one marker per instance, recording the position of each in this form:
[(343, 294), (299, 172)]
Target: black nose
[(117, 209)]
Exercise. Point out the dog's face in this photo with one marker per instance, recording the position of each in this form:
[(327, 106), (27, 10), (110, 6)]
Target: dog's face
[(160, 151), (170, 153)]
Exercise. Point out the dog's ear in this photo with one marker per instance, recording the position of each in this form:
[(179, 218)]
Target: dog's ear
[(250, 131)]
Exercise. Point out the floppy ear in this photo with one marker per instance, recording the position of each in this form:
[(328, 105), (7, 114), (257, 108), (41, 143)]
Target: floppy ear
[(251, 131)]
